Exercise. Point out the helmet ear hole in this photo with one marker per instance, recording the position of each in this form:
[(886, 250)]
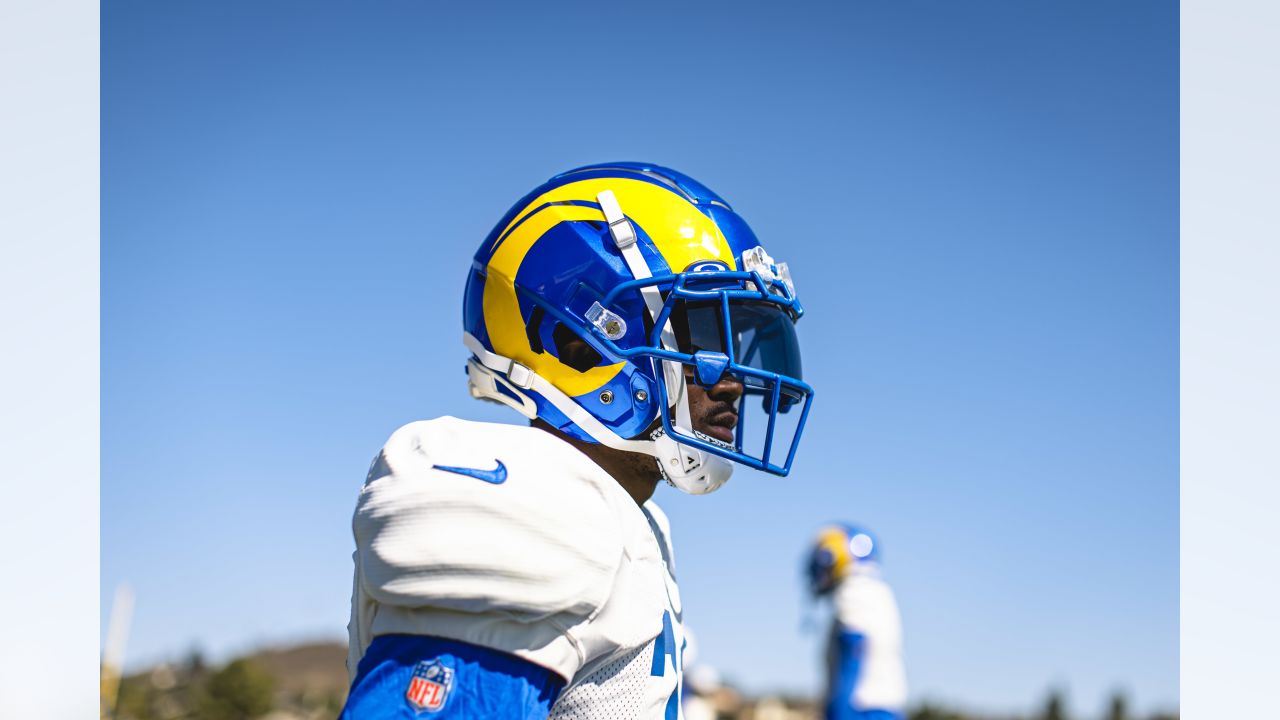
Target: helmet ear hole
[(531, 329), (573, 350)]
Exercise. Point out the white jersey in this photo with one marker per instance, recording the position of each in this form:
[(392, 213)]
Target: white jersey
[(509, 538), (864, 603)]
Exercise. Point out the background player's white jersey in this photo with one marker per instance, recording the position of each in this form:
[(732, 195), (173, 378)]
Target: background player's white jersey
[(510, 538), (864, 603)]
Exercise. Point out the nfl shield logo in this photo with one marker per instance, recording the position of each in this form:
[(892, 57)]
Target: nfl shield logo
[(429, 686)]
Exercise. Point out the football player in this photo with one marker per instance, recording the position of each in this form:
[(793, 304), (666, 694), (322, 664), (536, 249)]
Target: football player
[(865, 675), (507, 571)]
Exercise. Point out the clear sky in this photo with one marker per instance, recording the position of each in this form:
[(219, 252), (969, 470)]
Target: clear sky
[(978, 202)]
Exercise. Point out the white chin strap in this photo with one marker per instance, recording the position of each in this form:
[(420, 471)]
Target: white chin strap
[(494, 377), (688, 468)]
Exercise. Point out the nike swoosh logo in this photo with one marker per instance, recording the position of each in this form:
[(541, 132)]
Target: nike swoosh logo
[(496, 476)]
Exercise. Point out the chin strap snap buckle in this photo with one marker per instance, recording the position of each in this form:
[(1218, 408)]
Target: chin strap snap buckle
[(624, 236), (520, 376)]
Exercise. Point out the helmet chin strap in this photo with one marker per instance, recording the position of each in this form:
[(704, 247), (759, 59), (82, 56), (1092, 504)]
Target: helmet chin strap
[(688, 468), (519, 378)]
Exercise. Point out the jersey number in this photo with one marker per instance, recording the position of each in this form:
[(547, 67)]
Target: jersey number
[(664, 646)]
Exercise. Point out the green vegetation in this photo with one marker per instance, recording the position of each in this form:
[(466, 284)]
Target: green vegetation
[(306, 683), (239, 691), (1054, 708)]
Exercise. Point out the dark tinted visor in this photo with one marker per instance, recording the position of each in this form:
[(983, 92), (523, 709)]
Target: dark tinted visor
[(762, 334)]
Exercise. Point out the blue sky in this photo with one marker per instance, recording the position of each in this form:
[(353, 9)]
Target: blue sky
[(978, 202)]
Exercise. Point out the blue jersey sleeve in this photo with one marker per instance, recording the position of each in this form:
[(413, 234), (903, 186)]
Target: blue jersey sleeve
[(409, 676), (847, 654)]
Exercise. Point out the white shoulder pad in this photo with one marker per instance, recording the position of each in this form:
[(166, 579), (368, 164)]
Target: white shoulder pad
[(479, 517)]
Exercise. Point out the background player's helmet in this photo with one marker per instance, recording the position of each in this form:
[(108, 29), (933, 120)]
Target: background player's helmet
[(666, 285), (836, 550)]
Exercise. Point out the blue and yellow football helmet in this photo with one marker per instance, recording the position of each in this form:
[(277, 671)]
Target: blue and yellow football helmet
[(666, 285), (836, 550)]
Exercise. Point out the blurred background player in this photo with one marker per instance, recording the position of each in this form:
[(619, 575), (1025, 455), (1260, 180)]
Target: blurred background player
[(522, 571), (865, 675)]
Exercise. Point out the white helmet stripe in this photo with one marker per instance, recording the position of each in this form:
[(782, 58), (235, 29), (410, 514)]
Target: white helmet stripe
[(624, 237)]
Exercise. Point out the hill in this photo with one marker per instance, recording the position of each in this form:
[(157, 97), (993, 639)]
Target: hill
[(300, 682)]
